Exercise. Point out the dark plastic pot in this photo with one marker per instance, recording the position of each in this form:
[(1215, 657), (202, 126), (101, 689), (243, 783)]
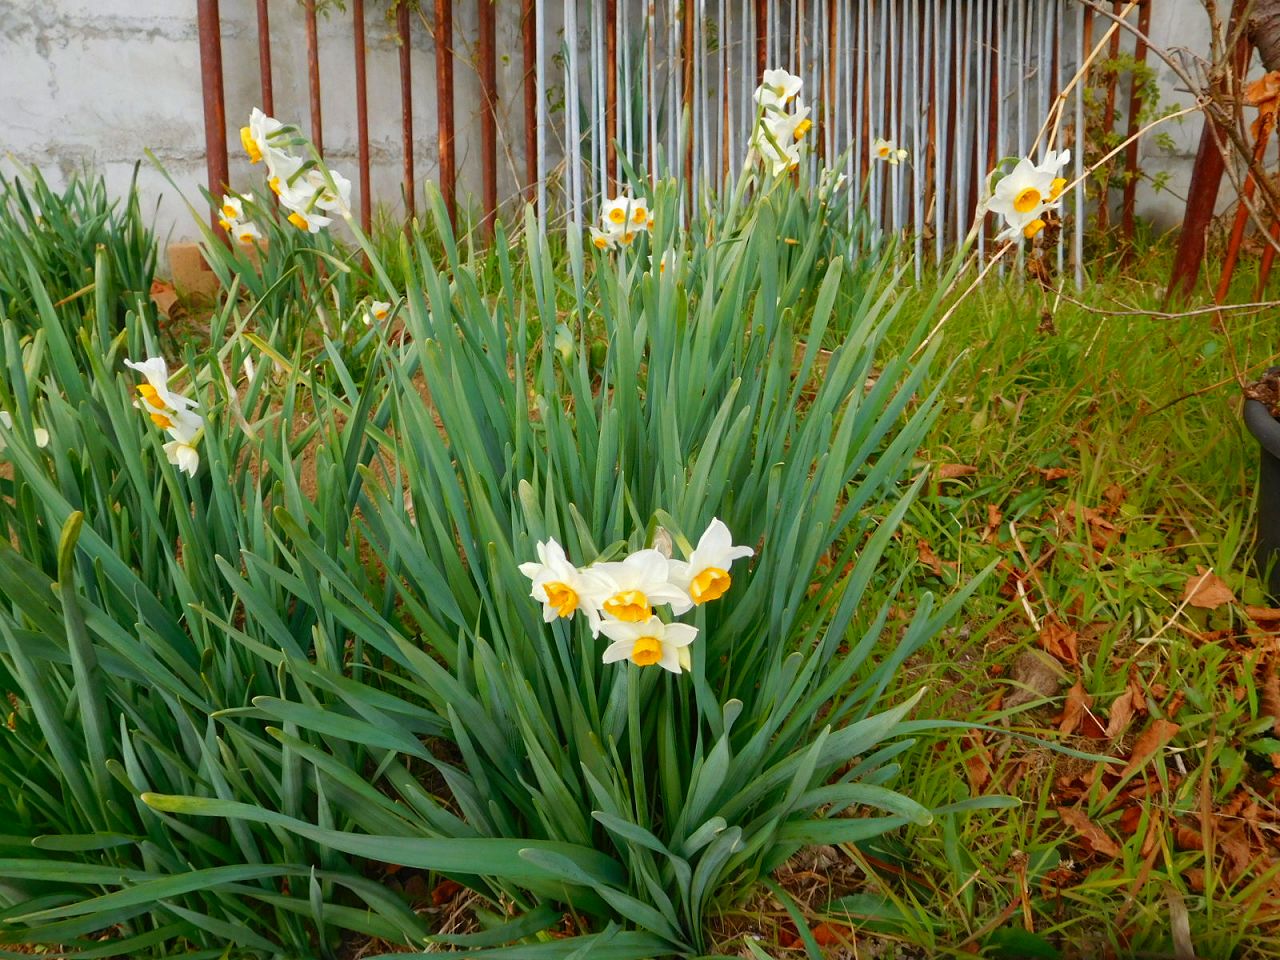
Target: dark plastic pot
[(1266, 430)]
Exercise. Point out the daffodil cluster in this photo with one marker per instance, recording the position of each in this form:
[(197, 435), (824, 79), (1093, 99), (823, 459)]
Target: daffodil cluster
[(231, 218), (624, 219), (783, 122), (307, 192), (1027, 193), (171, 412), (619, 598)]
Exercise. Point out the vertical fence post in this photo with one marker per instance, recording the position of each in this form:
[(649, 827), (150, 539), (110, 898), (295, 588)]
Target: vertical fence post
[(362, 114), (611, 132), (488, 112), (313, 77), (406, 108), (529, 46), (1128, 208), (444, 105), (215, 107), (264, 58)]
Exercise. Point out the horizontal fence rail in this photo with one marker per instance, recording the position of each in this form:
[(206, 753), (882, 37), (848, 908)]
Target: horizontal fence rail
[(665, 89)]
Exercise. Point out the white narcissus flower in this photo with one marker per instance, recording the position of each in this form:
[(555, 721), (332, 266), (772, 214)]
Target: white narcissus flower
[(562, 588), (308, 220), (335, 198), (184, 429), (636, 585), (777, 89), (378, 311), (601, 240), (155, 393), (232, 208), (706, 573), (40, 434), (888, 151), (778, 136), (648, 642), (247, 233), (281, 170), (255, 136), (1027, 192)]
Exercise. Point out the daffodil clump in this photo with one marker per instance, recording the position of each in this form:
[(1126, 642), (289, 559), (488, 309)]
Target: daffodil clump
[(1027, 193), (312, 195), (622, 219), (782, 123), (621, 598), (171, 412)]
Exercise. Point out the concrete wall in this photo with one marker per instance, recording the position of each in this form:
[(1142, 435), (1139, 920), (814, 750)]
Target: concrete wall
[(93, 83)]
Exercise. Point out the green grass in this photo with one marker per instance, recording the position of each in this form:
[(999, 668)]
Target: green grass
[(1137, 419)]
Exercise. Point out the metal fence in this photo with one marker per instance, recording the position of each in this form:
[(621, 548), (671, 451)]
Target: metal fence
[(665, 87)]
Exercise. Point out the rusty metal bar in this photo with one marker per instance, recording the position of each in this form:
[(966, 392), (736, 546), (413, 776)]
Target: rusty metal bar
[(406, 107), (215, 106), (1242, 212), (529, 46), (1129, 204), (1206, 178), (687, 99), (487, 27), (444, 105), (1109, 121), (762, 38), (313, 77), (362, 115), (264, 59)]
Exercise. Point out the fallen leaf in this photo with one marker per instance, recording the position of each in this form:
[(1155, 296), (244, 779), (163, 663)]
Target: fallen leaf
[(1050, 474), (1152, 739), (444, 891), (977, 764), (828, 934), (1059, 640), (1092, 836), (164, 296), (1206, 590), (929, 558), (1122, 710), (1114, 494), (1074, 709), (994, 519), (950, 471), (1269, 705)]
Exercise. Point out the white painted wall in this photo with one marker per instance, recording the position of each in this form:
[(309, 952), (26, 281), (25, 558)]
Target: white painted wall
[(94, 83)]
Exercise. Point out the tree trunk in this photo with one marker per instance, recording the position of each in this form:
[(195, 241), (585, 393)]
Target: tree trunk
[(1264, 32)]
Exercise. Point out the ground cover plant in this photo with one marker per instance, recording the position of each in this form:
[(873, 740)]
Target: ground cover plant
[(305, 614)]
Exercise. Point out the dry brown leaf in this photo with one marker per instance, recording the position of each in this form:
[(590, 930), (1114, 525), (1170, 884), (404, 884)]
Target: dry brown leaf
[(1050, 474), (994, 519), (977, 764), (1059, 640), (950, 471), (929, 558), (1266, 617), (1152, 739), (1115, 494), (1270, 696), (1122, 710), (1091, 836), (1075, 709), (1206, 590)]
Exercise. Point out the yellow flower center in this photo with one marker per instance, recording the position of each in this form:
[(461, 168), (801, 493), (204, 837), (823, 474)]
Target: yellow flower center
[(274, 184), (161, 421), (1032, 228), (646, 652), (298, 220), (617, 215), (649, 224), (626, 239), (228, 211), (1027, 200), (381, 314), (246, 236), (641, 215), (600, 242), (803, 127), (884, 151), (1056, 188), (151, 395), (710, 584), (250, 145), (561, 598), (629, 606), (225, 225)]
